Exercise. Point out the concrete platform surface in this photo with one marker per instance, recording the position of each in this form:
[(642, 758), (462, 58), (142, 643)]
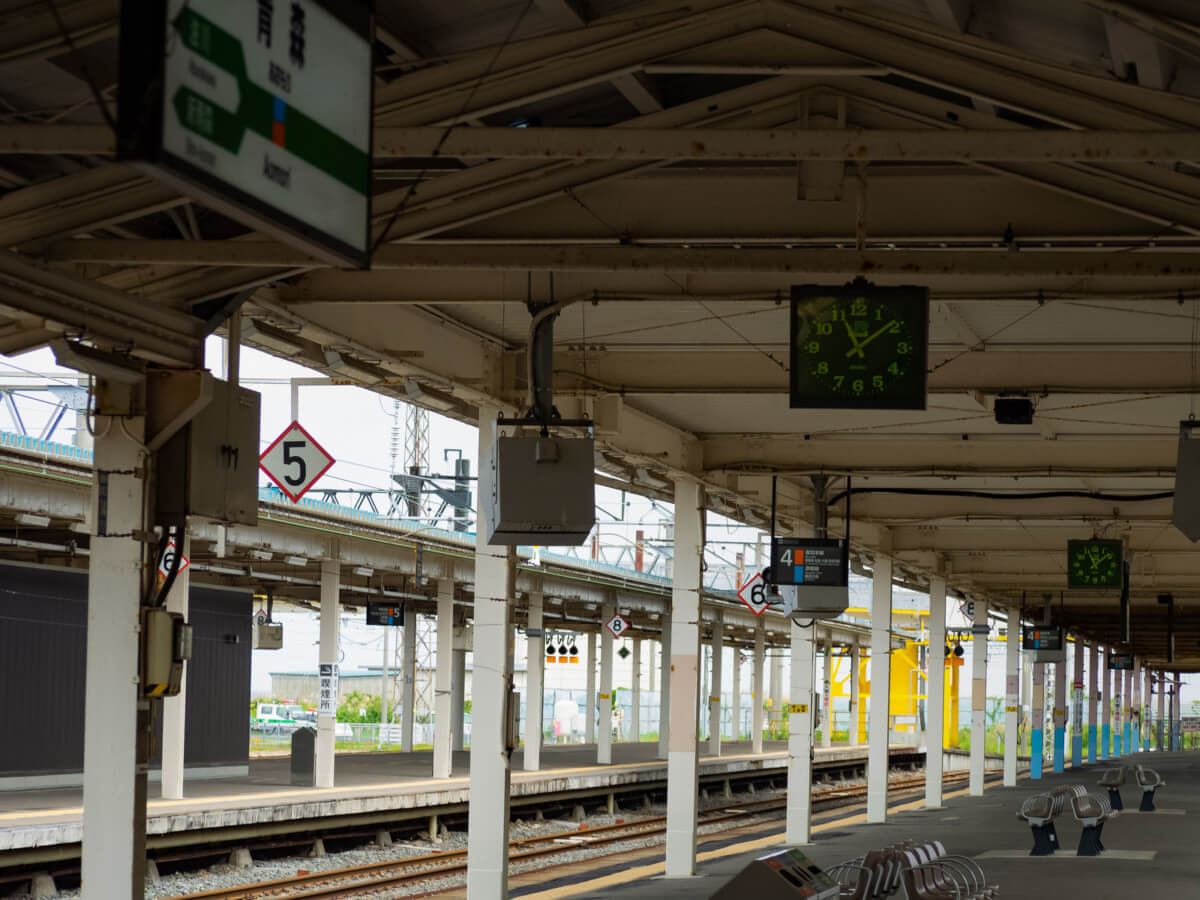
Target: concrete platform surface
[(1148, 855), (366, 783)]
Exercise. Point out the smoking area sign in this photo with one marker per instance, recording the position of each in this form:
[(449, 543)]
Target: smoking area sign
[(261, 109)]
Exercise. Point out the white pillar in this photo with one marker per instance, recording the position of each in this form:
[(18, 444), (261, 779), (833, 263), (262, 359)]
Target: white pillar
[(1106, 707), (777, 690), (408, 684), (487, 838), (635, 699), (1012, 695), (113, 851), (714, 686), (936, 708), (801, 699), (1037, 720), (1135, 707), (979, 648), (881, 676), (173, 727), (756, 691), (604, 700), (444, 725), (1162, 711), (683, 773), (735, 706), (827, 693), (664, 690), (589, 724), (1077, 706), (1060, 714), (1147, 704), (855, 736), (1093, 740), (535, 655), (327, 655)]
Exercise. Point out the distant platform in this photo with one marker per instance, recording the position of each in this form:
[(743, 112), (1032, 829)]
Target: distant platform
[(383, 787)]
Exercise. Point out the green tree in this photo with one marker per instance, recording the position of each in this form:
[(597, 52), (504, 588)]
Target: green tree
[(353, 706)]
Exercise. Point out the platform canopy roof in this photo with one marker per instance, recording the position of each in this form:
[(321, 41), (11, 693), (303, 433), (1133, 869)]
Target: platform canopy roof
[(667, 170)]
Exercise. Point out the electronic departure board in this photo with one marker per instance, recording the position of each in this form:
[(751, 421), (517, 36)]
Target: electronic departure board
[(1120, 660), (820, 562), (380, 613), (1041, 637)]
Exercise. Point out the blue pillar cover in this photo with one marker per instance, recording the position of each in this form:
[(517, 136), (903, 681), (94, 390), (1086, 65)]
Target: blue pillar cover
[(1060, 742), (1035, 753), (1105, 740)]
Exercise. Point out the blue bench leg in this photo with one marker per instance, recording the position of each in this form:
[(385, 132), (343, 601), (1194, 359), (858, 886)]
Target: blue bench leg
[(1089, 841), (1147, 801), (1045, 841), (1114, 799)]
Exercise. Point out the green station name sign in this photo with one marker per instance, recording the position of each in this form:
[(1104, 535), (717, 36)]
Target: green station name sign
[(261, 109)]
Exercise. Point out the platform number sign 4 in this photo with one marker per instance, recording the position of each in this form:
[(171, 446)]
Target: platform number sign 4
[(295, 461), (754, 595), (617, 626)]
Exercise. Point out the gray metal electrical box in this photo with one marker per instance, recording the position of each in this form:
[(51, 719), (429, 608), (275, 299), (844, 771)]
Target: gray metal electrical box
[(542, 491), (267, 636), (209, 468), (785, 875)]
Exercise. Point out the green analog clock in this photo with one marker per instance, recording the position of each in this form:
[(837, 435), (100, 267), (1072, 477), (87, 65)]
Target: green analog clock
[(859, 347), (1094, 564)]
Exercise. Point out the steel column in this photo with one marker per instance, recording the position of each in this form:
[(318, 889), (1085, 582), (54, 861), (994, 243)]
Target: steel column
[(1106, 707), (881, 677), (535, 650), (1093, 692), (801, 699), (1127, 713), (1012, 696), (175, 708), (714, 686), (827, 693), (1162, 710), (664, 689), (635, 699), (1060, 715), (735, 704), (113, 855), (683, 773), (487, 838), (756, 690), (1037, 716), (604, 700), (589, 724), (408, 684), (979, 648), (935, 714), (443, 684), (328, 653), (855, 698)]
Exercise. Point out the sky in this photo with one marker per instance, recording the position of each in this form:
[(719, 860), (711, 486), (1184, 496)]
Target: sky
[(358, 428)]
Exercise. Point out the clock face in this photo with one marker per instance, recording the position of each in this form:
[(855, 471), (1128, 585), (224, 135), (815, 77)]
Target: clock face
[(859, 348), (1094, 563)]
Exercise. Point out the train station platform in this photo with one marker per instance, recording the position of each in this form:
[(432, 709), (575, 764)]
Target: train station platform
[(1147, 854), (379, 787)]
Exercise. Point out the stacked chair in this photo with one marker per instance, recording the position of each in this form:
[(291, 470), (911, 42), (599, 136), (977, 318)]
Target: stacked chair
[(1040, 811), (1091, 811), (923, 870)]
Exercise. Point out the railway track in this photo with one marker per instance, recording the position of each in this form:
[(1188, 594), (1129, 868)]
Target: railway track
[(405, 872)]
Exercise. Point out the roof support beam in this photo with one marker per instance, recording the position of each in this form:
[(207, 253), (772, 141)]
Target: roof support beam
[(730, 144), (908, 264), (749, 144)]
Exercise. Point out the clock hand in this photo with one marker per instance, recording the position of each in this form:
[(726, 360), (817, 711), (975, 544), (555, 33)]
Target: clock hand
[(859, 346), (854, 340)]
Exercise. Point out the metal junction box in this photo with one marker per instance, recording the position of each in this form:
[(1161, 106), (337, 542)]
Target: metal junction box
[(267, 636), (542, 491), (209, 468), (785, 875)]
